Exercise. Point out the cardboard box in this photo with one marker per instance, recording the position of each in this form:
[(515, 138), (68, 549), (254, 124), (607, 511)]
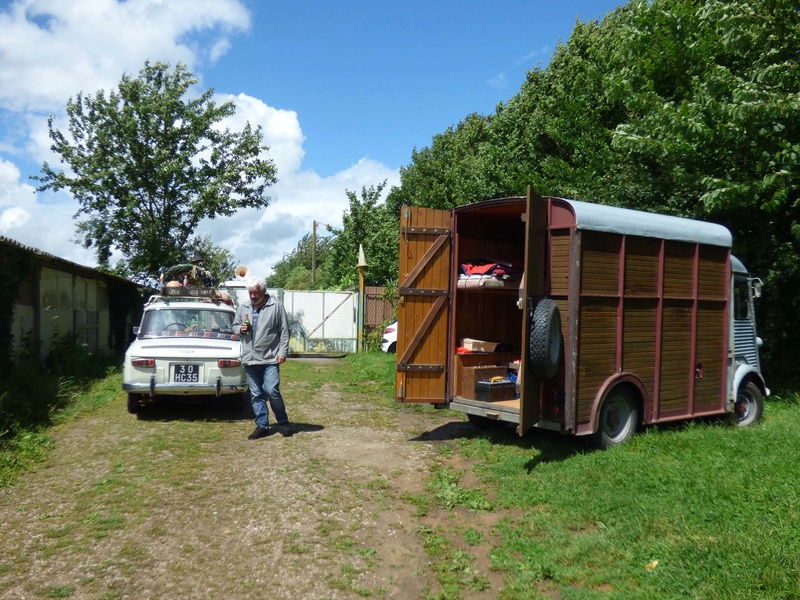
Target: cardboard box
[(492, 391), (478, 345), (471, 375)]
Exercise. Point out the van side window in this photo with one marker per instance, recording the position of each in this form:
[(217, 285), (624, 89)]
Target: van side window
[(741, 299)]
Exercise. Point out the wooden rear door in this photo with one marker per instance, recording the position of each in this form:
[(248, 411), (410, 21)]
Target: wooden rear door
[(424, 307), (533, 289)]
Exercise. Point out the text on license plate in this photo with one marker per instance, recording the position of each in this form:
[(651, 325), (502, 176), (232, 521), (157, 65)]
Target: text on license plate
[(187, 373)]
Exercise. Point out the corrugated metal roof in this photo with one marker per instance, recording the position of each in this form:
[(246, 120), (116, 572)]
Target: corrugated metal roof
[(612, 219), (62, 263)]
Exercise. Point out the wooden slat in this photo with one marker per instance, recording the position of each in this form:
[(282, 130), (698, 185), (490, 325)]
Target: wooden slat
[(678, 269), (600, 264), (712, 269), (559, 263), (641, 266), (596, 351), (676, 368)]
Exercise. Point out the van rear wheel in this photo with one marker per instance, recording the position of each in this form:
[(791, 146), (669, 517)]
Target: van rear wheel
[(619, 417)]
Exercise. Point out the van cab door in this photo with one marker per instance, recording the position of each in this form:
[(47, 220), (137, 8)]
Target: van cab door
[(424, 305)]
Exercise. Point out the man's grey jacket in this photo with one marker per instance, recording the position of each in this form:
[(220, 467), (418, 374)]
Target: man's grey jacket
[(271, 338)]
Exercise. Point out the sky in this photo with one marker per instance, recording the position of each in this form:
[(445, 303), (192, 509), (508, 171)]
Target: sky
[(344, 92)]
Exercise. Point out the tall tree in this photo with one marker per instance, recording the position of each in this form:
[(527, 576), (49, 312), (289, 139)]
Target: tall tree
[(370, 223), (686, 107), (294, 270), (148, 162)]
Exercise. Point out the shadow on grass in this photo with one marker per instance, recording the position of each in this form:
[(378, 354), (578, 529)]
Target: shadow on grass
[(547, 446), (209, 410)]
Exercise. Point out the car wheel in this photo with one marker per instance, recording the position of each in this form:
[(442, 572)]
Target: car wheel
[(749, 405), (619, 417), (545, 344), (134, 407)]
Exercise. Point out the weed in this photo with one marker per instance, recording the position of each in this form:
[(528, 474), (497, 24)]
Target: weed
[(447, 490)]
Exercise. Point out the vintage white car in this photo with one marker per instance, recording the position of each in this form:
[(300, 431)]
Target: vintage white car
[(185, 350)]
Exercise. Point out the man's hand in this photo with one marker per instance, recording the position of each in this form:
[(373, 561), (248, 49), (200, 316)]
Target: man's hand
[(281, 360)]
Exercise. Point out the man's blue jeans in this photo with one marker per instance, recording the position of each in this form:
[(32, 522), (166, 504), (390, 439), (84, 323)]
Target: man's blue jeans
[(264, 382)]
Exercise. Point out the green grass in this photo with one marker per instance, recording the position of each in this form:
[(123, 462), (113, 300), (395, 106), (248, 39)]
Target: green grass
[(703, 510), (696, 510)]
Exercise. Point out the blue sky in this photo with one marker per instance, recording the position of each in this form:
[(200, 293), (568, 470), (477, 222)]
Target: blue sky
[(344, 91)]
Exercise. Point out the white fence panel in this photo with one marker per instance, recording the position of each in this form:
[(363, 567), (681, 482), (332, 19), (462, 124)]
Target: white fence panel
[(322, 322)]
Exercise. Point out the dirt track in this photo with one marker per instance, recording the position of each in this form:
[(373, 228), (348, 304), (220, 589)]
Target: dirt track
[(179, 504)]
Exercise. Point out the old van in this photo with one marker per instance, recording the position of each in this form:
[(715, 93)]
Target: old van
[(576, 317)]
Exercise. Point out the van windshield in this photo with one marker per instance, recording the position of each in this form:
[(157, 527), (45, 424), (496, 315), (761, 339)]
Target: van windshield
[(187, 322)]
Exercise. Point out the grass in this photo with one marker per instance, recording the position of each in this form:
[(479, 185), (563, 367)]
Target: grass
[(697, 510), (703, 510)]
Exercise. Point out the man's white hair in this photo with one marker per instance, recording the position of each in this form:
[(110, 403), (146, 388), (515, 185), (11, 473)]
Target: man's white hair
[(254, 282)]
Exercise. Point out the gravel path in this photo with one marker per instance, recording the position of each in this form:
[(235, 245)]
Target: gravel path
[(179, 504)]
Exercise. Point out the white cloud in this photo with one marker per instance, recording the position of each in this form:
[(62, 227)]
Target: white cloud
[(259, 239), (499, 81), (51, 49), (544, 51), (281, 129)]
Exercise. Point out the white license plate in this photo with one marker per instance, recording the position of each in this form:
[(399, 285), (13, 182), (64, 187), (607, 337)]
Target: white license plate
[(187, 373)]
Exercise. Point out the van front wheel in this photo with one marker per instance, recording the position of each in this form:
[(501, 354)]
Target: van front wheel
[(619, 417), (749, 405)]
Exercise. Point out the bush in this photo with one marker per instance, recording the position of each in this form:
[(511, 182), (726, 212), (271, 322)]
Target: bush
[(31, 390)]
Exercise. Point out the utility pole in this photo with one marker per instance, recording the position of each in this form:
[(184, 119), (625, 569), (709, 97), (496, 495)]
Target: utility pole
[(314, 254)]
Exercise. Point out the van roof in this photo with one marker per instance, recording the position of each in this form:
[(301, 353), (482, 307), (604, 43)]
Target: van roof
[(612, 219)]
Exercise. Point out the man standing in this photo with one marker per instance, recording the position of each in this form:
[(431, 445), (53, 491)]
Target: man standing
[(264, 327)]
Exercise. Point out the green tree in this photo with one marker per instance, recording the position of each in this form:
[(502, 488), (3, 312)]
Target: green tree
[(713, 91), (294, 270), (370, 223), (683, 107), (219, 261), (147, 163)]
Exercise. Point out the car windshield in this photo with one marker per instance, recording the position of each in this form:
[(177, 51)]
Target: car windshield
[(186, 322)]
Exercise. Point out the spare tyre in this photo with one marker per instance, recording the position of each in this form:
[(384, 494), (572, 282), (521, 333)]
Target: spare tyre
[(545, 344)]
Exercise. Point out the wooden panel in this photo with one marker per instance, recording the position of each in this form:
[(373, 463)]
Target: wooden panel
[(676, 345), (424, 265), (712, 270), (711, 357), (490, 315), (678, 269), (640, 318), (465, 386), (597, 350), (559, 263), (641, 266), (600, 264)]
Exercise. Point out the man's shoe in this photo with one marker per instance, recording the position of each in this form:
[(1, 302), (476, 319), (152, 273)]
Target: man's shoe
[(258, 432), (286, 430)]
